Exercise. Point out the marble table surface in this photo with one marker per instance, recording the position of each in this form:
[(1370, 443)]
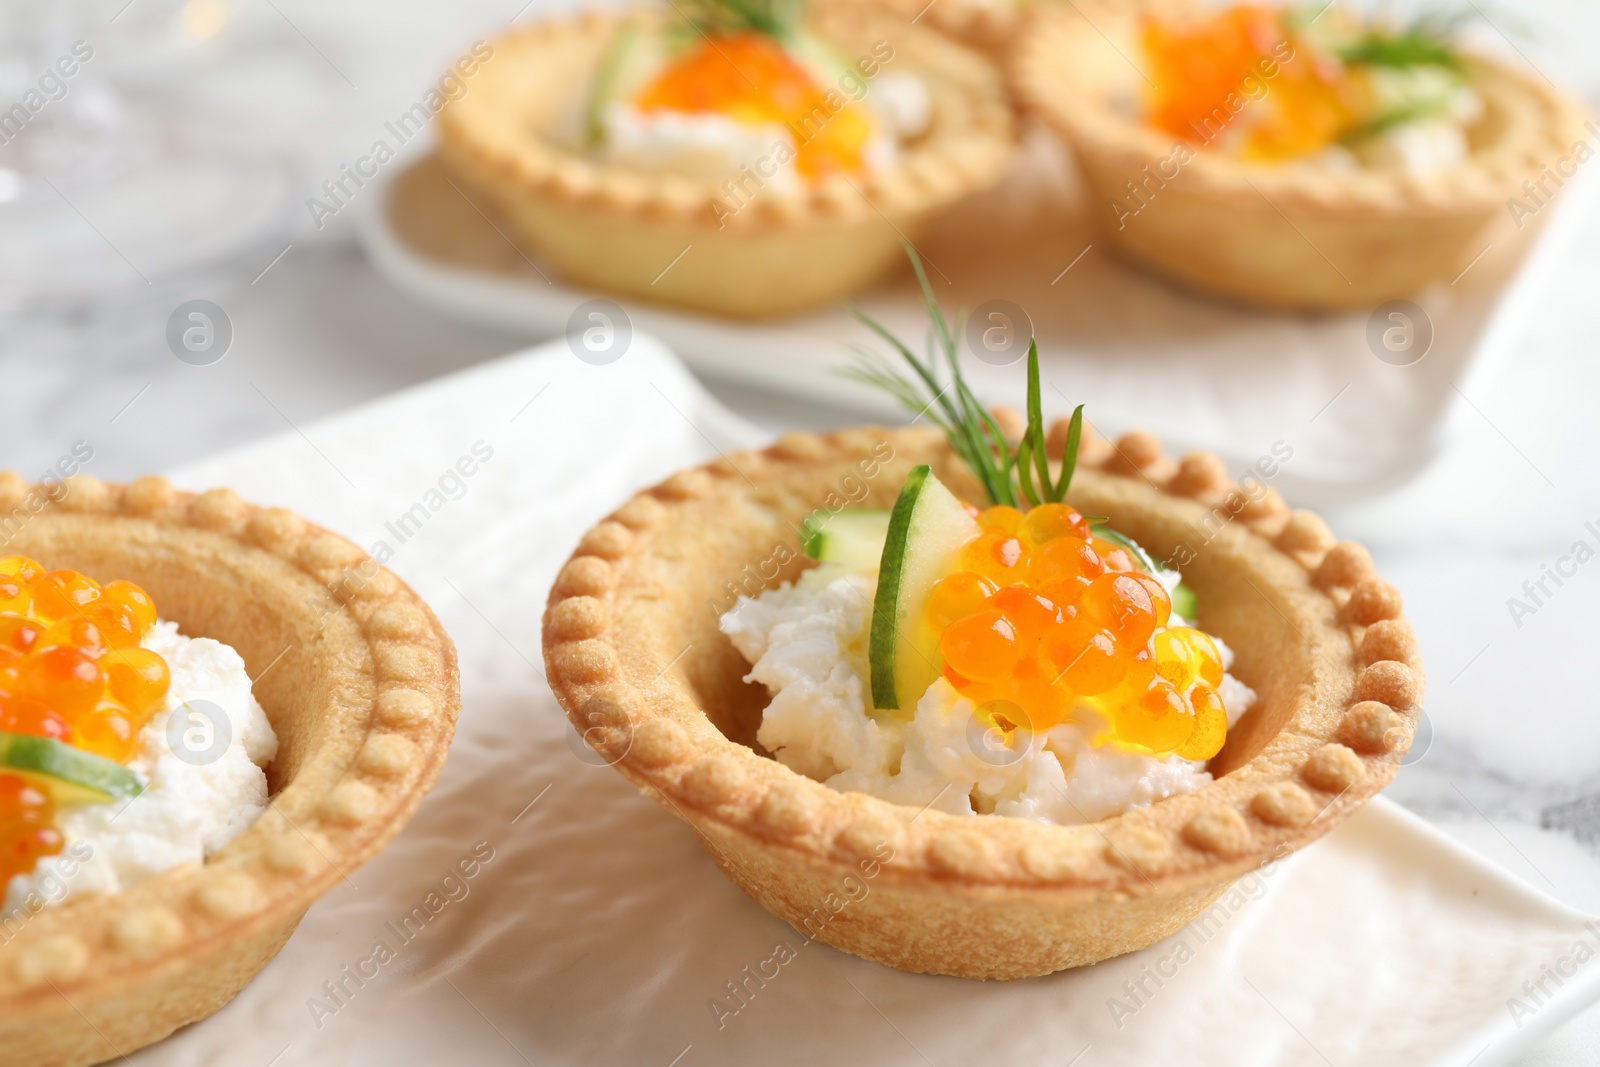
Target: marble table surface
[(1513, 768)]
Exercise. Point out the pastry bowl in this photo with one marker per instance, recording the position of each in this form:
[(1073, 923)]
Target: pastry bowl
[(359, 681), (513, 137), (1295, 236), (635, 656)]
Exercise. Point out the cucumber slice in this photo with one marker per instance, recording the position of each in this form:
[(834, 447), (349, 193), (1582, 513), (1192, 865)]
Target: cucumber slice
[(637, 53), (1183, 602), (854, 538), (70, 775), (927, 529), (824, 62)]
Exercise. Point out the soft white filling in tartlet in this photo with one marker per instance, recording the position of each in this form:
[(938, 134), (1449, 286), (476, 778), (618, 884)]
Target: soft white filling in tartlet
[(190, 808), (705, 145), (807, 643), (714, 146)]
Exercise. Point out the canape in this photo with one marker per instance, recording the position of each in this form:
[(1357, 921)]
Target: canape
[(991, 741), (728, 157), (210, 714), (1292, 157)]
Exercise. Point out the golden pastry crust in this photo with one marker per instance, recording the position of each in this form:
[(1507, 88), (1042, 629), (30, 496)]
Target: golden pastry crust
[(511, 137), (634, 655), (987, 24), (1295, 236), (360, 683)]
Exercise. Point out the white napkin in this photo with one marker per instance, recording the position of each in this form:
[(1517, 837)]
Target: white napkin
[(594, 929)]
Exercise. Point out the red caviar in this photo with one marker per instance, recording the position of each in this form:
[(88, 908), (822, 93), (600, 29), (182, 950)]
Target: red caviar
[(1043, 613), (751, 78), (1241, 74)]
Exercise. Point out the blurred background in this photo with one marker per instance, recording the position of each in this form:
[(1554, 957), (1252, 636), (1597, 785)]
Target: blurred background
[(175, 164)]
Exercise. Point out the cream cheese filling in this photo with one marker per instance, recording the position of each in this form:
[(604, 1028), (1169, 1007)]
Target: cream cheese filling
[(807, 643)]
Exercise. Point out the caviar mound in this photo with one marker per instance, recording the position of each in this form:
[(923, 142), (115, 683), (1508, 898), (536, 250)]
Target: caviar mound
[(1044, 613)]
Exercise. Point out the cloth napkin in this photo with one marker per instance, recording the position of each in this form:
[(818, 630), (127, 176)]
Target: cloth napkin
[(592, 929)]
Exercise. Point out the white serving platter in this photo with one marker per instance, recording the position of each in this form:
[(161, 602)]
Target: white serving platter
[(1137, 351)]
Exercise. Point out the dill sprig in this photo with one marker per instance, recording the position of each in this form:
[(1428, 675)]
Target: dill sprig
[(1016, 474), (775, 18), (1426, 41)]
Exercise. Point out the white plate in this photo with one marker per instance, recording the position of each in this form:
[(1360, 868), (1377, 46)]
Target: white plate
[(600, 932), (1137, 351)]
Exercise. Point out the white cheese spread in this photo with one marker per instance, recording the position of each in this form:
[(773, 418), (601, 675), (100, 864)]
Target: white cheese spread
[(807, 643)]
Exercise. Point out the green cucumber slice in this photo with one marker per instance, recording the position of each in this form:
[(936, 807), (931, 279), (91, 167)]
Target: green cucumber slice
[(71, 775), (927, 529), (1183, 602), (824, 62), (637, 53), (854, 538)]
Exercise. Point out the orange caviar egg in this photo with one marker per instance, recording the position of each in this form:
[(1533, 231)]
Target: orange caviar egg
[(72, 669), (982, 646), (20, 566), (1159, 597), (751, 78), (1210, 725), (997, 556), (15, 596), (956, 596), (1047, 522), (1122, 604), (1042, 616), (61, 594), (1195, 650), (19, 634), (1000, 517), (1160, 718), (107, 731), (1084, 658), (138, 678), (124, 614)]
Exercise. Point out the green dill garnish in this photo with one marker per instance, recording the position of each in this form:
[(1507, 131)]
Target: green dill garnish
[(775, 18), (1426, 41), (1015, 474)]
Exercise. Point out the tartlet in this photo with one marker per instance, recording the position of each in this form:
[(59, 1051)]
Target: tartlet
[(635, 657), (358, 679), (1300, 237), (663, 237)]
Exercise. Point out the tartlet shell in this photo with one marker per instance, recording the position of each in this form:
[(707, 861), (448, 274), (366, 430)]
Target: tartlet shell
[(360, 683), (1298, 237), (634, 655), (621, 229)]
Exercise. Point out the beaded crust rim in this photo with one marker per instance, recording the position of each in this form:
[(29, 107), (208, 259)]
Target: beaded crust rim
[(991, 23), (952, 161), (358, 799), (1046, 85), (1314, 771)]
